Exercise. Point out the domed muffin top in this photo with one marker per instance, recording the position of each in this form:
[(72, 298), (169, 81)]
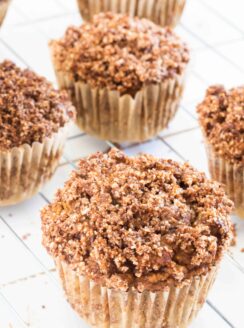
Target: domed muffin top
[(221, 115), (120, 53), (30, 108), (141, 222)]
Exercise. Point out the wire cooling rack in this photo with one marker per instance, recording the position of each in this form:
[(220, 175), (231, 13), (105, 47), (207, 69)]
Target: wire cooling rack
[(30, 295)]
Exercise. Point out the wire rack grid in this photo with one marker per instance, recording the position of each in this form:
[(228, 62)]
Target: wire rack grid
[(30, 295)]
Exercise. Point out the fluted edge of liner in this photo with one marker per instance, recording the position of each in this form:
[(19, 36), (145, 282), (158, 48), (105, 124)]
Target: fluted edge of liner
[(230, 175), (161, 12), (174, 307), (3, 9), (24, 169), (105, 114)]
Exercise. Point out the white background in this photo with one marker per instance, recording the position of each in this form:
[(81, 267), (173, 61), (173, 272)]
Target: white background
[(30, 295)]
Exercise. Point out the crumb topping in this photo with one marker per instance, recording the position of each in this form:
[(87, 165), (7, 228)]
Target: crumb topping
[(221, 115), (137, 222), (30, 109), (120, 53)]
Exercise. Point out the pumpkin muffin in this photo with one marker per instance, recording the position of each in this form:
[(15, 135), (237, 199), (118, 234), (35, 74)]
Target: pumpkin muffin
[(33, 126), (137, 241), (221, 117), (161, 12), (125, 75), (4, 4)]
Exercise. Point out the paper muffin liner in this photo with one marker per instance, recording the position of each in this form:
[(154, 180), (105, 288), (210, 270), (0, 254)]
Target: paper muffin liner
[(3, 9), (174, 307), (24, 169), (109, 116), (161, 12), (231, 175)]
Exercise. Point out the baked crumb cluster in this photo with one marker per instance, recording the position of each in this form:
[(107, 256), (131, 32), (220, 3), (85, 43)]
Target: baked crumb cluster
[(137, 221), (30, 109), (221, 115), (120, 53)]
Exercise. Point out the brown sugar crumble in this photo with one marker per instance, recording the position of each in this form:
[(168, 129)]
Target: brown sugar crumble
[(137, 222), (120, 53), (221, 115), (30, 108)]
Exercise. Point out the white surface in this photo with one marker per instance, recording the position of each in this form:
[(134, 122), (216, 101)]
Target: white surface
[(30, 295)]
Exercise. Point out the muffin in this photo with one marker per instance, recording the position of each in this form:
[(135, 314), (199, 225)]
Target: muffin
[(3, 9), (125, 75), (33, 127), (137, 241), (221, 116), (161, 12)]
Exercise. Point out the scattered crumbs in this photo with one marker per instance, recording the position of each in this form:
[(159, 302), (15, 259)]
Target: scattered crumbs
[(10, 215), (26, 236), (43, 307)]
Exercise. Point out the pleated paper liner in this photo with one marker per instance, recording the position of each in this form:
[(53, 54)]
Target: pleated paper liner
[(109, 116), (231, 175), (24, 169), (3, 9), (161, 12), (175, 307)]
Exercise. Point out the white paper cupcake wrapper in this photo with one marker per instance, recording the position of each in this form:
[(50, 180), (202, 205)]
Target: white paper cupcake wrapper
[(101, 307), (109, 116), (3, 9), (231, 175), (24, 169), (161, 12)]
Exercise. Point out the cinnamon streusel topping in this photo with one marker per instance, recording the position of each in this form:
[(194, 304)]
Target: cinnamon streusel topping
[(30, 109), (221, 115), (138, 222), (120, 53)]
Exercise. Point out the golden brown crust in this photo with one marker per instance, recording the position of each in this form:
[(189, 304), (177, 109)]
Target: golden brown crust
[(120, 53), (138, 222), (30, 108), (221, 115)]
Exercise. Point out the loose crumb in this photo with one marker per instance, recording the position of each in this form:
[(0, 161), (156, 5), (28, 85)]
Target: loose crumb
[(26, 236)]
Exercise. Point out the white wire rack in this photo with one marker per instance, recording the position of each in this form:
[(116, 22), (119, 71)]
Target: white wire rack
[(30, 295)]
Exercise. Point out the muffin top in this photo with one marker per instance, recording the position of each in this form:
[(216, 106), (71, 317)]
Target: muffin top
[(137, 222), (30, 109), (221, 115), (120, 53)]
